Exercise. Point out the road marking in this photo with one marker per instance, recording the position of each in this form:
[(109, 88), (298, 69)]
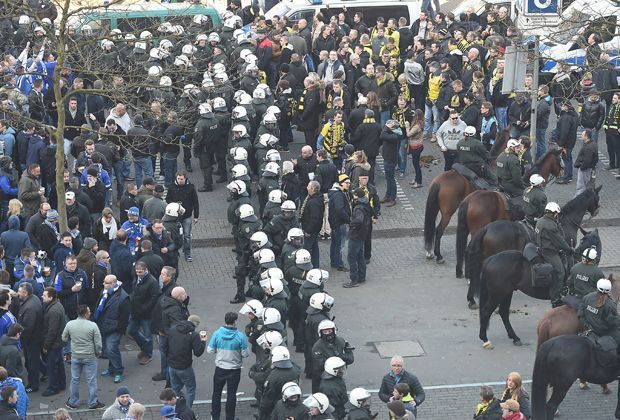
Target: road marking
[(400, 193)]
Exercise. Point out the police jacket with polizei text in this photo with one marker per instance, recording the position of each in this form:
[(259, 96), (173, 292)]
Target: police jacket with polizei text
[(323, 350), (583, 277), (182, 344), (535, 201), (206, 133), (274, 383), (601, 317)]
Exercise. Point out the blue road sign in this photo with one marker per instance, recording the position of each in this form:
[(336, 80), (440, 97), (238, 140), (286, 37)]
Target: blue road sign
[(543, 7)]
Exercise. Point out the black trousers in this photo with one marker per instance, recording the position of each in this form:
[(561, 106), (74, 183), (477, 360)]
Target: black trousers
[(230, 378)]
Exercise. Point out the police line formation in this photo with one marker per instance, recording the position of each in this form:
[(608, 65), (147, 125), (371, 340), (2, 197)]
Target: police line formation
[(232, 98)]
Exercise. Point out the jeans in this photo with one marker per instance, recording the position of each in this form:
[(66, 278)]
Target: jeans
[(111, 349), (415, 160), (516, 132), (32, 356), (311, 244), (140, 330), (431, 112), (55, 370), (402, 155), (583, 180), (187, 225), (568, 164), (163, 357), (119, 176), (501, 116), (187, 378), (357, 262), (336, 245), (541, 142), (449, 158), (170, 170), (390, 170), (87, 366), (142, 164), (230, 378), (385, 115)]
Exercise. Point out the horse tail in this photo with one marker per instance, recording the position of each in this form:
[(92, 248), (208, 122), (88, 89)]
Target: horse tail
[(430, 216), (462, 232), (540, 382), (543, 330), (473, 256)]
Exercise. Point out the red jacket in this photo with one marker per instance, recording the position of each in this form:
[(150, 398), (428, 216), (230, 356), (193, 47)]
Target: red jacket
[(515, 416)]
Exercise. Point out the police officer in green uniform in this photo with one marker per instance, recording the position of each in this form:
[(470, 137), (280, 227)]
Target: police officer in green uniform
[(328, 345), (280, 224), (599, 312), (248, 225), (470, 152), (317, 312), (333, 385), (268, 182), (584, 275), (295, 275), (220, 110), (260, 370), (550, 241), (206, 137), (294, 241), (534, 199), (284, 370), (238, 197), (509, 169)]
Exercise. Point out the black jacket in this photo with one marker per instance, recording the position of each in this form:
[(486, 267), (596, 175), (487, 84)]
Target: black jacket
[(305, 167), (567, 128), (153, 262), (326, 174), (172, 311), (127, 201), (339, 207), (361, 219), (8, 411), (144, 296), (31, 318), (308, 116), (187, 196), (166, 290), (311, 216), (588, 156), (592, 114), (183, 340), (82, 213), (366, 137), (389, 381), (391, 143), (121, 262)]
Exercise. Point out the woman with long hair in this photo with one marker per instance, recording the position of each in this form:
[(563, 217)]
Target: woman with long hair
[(514, 391), (373, 103), (16, 208), (360, 165), (415, 144)]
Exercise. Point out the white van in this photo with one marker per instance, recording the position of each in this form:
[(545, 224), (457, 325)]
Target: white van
[(306, 9)]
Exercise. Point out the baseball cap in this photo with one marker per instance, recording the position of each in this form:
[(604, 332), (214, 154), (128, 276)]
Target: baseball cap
[(167, 411)]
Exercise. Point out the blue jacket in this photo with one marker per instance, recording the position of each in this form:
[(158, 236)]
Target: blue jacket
[(36, 145), (135, 232), (7, 190), (14, 240), (9, 141), (230, 347), (6, 320), (37, 288), (60, 253), (18, 268), (121, 264), (103, 176), (22, 396)]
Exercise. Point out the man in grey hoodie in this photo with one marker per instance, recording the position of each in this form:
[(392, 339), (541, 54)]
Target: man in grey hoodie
[(449, 134)]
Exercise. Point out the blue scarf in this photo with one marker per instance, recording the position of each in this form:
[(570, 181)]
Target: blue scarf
[(104, 297)]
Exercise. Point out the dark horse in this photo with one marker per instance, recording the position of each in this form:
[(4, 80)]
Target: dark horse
[(482, 207), (559, 362), (445, 193), (508, 271)]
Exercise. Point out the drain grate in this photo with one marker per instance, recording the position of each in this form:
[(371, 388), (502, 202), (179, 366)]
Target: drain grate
[(404, 348)]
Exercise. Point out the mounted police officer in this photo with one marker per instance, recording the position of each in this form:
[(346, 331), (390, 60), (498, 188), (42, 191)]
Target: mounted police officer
[(534, 199), (472, 154), (509, 169), (584, 275), (599, 312), (550, 240)]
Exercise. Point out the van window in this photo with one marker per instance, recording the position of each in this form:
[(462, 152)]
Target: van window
[(307, 14), (138, 24), (371, 13), (100, 27)]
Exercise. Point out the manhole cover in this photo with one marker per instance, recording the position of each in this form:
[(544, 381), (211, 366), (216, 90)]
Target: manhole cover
[(406, 348)]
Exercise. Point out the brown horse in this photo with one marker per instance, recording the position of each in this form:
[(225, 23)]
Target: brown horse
[(480, 208), (563, 320), (445, 193)]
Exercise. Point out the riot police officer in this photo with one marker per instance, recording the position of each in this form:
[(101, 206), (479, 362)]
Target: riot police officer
[(238, 197), (206, 136), (317, 312), (472, 154), (248, 225), (319, 407), (584, 275), (294, 241), (259, 371), (273, 206), (509, 169), (358, 407), (276, 297), (333, 385), (252, 309), (328, 345), (550, 240), (283, 371), (599, 312), (290, 405), (282, 224), (534, 199)]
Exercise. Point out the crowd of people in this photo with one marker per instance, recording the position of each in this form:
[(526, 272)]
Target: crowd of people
[(229, 97)]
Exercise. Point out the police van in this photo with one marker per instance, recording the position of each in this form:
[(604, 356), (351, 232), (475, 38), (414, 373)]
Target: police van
[(306, 9), (141, 16)]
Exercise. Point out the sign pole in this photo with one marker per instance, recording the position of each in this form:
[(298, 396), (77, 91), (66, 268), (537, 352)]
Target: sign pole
[(534, 97)]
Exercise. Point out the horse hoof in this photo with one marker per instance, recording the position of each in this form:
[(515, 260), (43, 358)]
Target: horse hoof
[(459, 274), (488, 345), (584, 386), (429, 256), (606, 390), (517, 343), (473, 306), (440, 261)]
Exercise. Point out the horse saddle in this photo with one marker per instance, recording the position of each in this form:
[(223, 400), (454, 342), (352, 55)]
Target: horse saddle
[(478, 182), (573, 301), (542, 272), (605, 349)]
